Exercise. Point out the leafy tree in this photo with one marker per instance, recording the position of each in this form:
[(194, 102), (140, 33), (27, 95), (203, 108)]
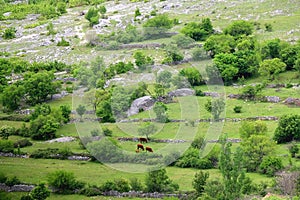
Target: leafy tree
[(142, 61), (9, 33), (147, 129), (40, 192), (102, 11), (239, 28), (63, 182), (65, 111), (251, 92), (288, 129), (182, 41), (255, 148), (120, 102), (270, 165), (12, 96), (158, 181), (200, 181), (92, 16), (271, 68), (289, 55), (271, 48), (216, 44), (172, 55), (198, 31), (80, 110), (193, 76), (41, 109), (6, 131), (164, 78), (157, 25), (160, 112), (159, 90), (105, 151), (216, 107), (213, 190), (38, 86), (249, 128), (231, 167), (180, 82), (104, 111), (43, 127)]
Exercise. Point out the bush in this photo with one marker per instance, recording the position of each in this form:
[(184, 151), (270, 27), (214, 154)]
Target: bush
[(108, 186), (12, 181), (199, 93), (136, 184), (9, 33), (237, 109), (270, 165), (199, 54), (64, 182), (40, 192), (22, 143), (52, 153), (6, 146), (288, 129), (107, 132), (3, 178), (26, 197), (63, 43), (122, 185), (91, 191)]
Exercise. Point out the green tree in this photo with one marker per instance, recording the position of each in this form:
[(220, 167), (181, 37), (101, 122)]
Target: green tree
[(182, 41), (271, 68), (250, 92), (43, 127), (288, 129), (41, 109), (216, 44), (104, 111), (92, 16), (80, 110), (39, 86), (193, 76), (147, 129), (249, 128), (141, 60), (66, 111), (198, 31), (215, 107), (289, 55), (160, 110), (255, 148), (239, 28), (200, 181), (6, 131), (157, 25), (172, 54), (231, 167), (63, 182), (12, 96), (158, 181), (40, 192)]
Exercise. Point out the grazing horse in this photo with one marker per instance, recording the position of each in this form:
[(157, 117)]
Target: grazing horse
[(149, 149), (140, 146), (142, 140)]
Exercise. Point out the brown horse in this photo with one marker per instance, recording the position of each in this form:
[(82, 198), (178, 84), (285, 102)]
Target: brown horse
[(140, 146), (142, 140), (149, 149)]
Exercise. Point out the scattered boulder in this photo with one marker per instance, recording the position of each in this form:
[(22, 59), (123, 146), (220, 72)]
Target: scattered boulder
[(143, 103), (211, 94), (292, 101), (272, 99), (62, 139), (182, 92)]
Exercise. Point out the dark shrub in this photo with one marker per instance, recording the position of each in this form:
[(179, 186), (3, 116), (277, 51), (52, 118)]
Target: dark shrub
[(12, 181), (6, 146), (237, 109), (22, 143)]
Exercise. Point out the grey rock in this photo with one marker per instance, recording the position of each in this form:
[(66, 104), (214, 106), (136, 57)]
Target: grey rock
[(182, 92), (143, 103)]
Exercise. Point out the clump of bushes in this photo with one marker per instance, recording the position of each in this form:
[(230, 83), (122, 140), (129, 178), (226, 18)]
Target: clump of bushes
[(52, 153), (22, 143)]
